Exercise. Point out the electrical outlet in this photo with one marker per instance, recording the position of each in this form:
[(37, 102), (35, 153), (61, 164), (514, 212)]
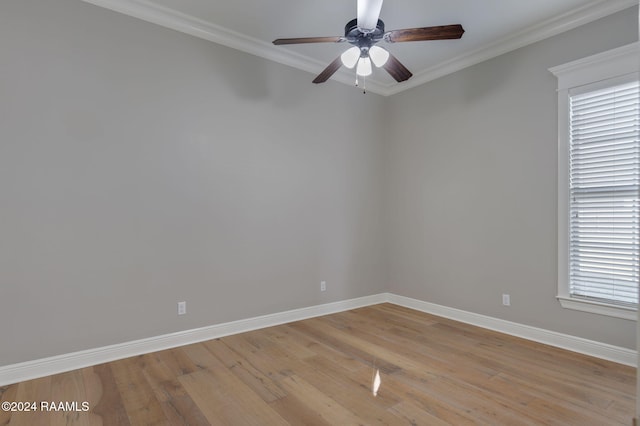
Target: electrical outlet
[(182, 308), (506, 300), (323, 286)]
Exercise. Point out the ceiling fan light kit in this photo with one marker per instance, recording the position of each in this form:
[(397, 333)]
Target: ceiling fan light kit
[(378, 56), (350, 57), (363, 33), (364, 67)]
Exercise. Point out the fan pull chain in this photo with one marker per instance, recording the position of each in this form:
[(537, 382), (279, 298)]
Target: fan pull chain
[(364, 83)]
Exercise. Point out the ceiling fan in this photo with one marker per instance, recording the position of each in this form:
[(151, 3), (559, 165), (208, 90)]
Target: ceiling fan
[(364, 33)]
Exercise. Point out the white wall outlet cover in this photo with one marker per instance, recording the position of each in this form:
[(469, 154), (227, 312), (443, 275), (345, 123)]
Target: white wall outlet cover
[(506, 300)]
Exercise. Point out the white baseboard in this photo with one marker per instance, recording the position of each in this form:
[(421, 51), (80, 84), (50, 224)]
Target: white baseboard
[(576, 344), (15, 373)]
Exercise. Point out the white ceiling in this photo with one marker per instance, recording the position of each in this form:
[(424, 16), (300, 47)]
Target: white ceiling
[(492, 27)]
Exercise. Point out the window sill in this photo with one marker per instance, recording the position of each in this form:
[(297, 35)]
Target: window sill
[(599, 308)]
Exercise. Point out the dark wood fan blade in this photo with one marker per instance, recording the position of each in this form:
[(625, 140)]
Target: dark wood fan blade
[(302, 40), (444, 32), (395, 68), (328, 71)]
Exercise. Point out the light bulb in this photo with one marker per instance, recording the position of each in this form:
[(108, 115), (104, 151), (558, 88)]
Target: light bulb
[(350, 57), (364, 67), (378, 56)]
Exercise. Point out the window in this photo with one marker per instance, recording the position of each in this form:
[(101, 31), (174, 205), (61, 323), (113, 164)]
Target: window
[(604, 172), (599, 183)]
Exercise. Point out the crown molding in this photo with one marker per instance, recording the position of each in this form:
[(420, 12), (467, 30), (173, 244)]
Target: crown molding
[(549, 28), (601, 66), (169, 18)]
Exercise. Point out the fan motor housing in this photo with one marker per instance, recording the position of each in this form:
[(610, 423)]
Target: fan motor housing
[(357, 37)]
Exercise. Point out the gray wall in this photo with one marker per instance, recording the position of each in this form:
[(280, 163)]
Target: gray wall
[(471, 195), (140, 167)]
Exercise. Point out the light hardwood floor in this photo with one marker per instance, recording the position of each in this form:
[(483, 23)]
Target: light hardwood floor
[(319, 371)]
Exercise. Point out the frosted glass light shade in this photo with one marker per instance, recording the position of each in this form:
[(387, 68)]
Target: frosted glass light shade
[(378, 56), (364, 67), (350, 57)]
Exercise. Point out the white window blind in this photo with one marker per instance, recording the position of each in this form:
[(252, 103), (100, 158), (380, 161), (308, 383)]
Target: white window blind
[(604, 207)]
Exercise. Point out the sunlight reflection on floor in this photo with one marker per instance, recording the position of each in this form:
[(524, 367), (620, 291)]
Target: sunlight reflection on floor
[(376, 383)]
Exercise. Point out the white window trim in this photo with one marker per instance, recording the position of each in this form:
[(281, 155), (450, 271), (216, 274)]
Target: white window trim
[(603, 66)]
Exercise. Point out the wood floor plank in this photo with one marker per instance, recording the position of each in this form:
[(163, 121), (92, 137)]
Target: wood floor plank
[(451, 368), (33, 391), (327, 352), (297, 412), (225, 400), (280, 335), (355, 348), (319, 371), (92, 393), (138, 398), (564, 380), (75, 387), (256, 357), (410, 413), (233, 392), (110, 407), (353, 393), (563, 384), (346, 384), (462, 396), (178, 362), (216, 407), (176, 404), (322, 404), (7, 394), (430, 405), (247, 373)]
